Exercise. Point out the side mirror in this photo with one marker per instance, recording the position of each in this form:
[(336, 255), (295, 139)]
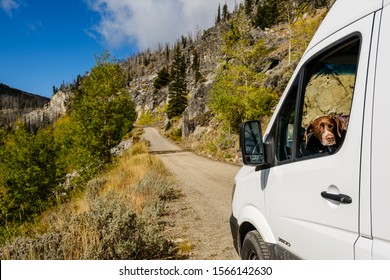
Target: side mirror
[(251, 143)]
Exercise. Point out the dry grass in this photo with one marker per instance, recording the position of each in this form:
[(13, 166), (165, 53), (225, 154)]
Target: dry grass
[(118, 217)]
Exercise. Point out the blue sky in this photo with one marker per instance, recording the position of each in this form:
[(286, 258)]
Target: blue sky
[(44, 43)]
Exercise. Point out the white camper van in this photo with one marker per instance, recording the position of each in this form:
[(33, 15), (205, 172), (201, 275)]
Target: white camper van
[(316, 185)]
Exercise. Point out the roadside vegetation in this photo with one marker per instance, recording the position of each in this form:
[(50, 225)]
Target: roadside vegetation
[(117, 217), (42, 169)]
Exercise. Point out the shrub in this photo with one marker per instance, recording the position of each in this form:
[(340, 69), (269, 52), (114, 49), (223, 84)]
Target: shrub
[(146, 118), (237, 96), (117, 218), (102, 109), (138, 148), (110, 230), (28, 174)]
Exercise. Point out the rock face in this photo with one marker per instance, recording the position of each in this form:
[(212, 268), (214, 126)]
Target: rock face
[(50, 112), (35, 111), (145, 97), (328, 95), (144, 67), (15, 103), (197, 113)]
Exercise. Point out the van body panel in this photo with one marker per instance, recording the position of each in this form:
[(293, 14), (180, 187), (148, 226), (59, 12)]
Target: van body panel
[(250, 200), (341, 15), (363, 249), (365, 226), (386, 2), (253, 216), (380, 146), (247, 184)]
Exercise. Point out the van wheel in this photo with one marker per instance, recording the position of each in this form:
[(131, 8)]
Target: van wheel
[(254, 247)]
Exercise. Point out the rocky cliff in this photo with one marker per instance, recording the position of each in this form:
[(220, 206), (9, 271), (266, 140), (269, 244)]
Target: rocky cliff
[(51, 111)]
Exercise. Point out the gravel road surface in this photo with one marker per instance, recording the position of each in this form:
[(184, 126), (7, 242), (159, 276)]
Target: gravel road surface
[(201, 216)]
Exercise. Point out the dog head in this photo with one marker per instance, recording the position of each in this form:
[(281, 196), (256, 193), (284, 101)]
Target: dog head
[(329, 130)]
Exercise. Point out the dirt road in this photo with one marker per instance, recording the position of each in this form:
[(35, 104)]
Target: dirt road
[(201, 216)]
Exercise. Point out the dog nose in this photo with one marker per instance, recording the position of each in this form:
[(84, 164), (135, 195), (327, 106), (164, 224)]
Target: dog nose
[(330, 138)]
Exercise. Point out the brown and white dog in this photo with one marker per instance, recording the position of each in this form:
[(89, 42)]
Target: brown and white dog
[(329, 130)]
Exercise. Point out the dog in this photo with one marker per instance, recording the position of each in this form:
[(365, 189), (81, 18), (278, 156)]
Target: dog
[(328, 133)]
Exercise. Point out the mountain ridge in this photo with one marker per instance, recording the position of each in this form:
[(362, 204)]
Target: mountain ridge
[(14, 103)]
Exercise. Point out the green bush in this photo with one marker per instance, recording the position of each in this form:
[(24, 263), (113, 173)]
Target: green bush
[(102, 110), (28, 174), (237, 96), (146, 118)]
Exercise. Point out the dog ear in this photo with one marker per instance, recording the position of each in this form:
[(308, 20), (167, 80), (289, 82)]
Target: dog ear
[(340, 126)]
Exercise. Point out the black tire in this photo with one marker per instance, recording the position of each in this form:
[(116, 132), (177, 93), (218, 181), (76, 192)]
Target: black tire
[(254, 247)]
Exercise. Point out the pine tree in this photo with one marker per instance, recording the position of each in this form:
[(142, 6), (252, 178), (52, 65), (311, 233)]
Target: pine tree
[(267, 14), (163, 78), (178, 86), (225, 12), (167, 51), (248, 7), (196, 66), (184, 41), (218, 14)]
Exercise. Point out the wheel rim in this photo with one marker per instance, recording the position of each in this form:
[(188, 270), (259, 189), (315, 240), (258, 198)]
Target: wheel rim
[(252, 255)]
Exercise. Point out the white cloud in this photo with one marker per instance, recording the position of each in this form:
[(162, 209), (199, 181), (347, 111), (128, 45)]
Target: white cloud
[(9, 6), (35, 26), (147, 23)]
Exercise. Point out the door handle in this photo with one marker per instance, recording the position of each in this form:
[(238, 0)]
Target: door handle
[(342, 198)]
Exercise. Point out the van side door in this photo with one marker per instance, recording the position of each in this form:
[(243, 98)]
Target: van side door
[(312, 188)]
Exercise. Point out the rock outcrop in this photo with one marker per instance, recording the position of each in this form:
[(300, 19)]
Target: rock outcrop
[(50, 112)]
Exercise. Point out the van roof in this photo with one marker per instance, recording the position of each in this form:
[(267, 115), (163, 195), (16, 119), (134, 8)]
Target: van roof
[(343, 13)]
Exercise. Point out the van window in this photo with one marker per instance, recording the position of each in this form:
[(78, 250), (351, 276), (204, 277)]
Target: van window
[(323, 104)]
